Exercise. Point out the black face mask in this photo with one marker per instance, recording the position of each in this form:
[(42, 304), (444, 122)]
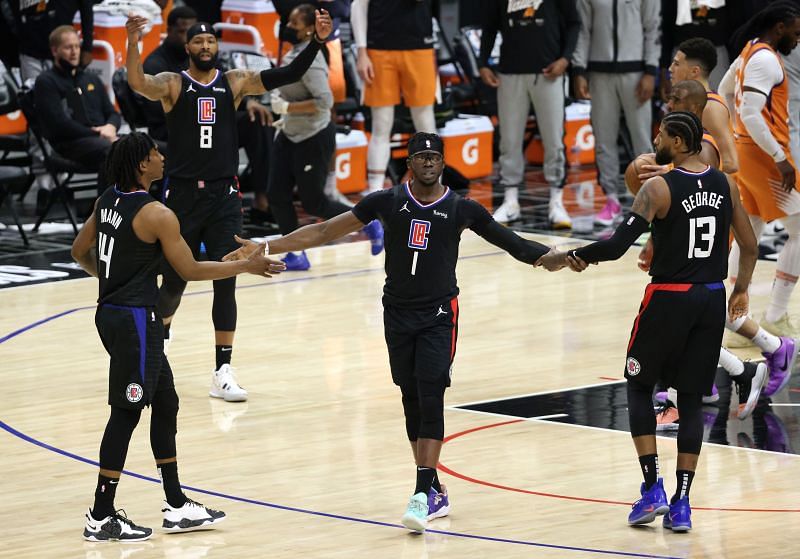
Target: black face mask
[(204, 65), (290, 36), (67, 66)]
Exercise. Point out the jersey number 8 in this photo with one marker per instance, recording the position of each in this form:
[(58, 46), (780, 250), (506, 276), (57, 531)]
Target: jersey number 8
[(206, 133)]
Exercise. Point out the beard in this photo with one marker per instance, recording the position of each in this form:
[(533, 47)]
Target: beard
[(663, 156), (204, 65), (786, 45)]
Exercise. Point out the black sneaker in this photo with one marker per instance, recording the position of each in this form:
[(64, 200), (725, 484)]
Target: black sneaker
[(749, 385), (116, 527)]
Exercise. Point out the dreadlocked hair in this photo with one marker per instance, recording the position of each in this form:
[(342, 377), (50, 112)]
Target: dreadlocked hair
[(783, 11), (124, 157), (686, 126)]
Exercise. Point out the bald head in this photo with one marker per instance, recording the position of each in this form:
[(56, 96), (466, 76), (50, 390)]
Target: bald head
[(688, 95)]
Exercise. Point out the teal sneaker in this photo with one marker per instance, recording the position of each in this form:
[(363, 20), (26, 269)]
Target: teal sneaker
[(416, 516)]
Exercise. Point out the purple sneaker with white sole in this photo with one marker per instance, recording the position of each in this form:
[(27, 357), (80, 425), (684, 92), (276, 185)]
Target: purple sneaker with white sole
[(374, 230), (780, 364), (653, 503), (438, 503), (679, 517)]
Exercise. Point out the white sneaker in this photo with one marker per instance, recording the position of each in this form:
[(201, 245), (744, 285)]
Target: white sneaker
[(508, 211), (559, 218), (191, 516), (224, 385), (116, 527), (782, 327)]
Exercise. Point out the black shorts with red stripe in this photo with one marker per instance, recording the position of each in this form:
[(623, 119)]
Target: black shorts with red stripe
[(676, 336), (421, 342)]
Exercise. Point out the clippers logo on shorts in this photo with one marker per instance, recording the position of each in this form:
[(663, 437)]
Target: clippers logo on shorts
[(134, 392), (418, 234), (633, 367), (206, 110)]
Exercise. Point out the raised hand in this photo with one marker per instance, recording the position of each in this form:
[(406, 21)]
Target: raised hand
[(323, 24), (135, 27)]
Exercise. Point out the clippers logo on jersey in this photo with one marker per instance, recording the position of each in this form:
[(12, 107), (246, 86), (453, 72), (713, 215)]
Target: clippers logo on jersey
[(633, 367), (206, 110), (418, 234), (134, 392)]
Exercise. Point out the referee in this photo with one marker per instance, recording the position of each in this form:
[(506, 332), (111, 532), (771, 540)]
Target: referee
[(201, 186)]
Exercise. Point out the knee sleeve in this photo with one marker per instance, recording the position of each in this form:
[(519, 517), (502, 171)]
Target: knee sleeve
[(378, 149), (169, 294), (411, 410), (223, 310), (117, 436), (641, 416), (423, 118), (431, 405), (164, 423), (789, 257), (690, 427)]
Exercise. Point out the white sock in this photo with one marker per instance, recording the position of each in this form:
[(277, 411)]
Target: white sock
[(787, 270), (730, 362), (779, 298), (767, 342), (556, 195), (512, 195)]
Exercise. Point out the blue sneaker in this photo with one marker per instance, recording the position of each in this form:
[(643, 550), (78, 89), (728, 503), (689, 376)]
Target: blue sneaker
[(416, 516), (653, 503), (438, 503), (679, 517), (374, 231), (296, 262)]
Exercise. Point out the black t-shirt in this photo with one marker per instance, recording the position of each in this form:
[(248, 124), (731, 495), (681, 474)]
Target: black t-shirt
[(202, 130), (421, 242), (690, 245), (399, 25), (126, 266)]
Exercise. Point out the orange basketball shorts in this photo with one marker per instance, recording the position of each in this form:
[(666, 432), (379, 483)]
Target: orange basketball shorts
[(411, 73)]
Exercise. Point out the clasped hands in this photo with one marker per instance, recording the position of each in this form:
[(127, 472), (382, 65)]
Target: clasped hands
[(556, 260)]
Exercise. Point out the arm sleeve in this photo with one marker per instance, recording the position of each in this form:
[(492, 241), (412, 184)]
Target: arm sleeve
[(631, 228), (580, 57), (358, 22), (373, 206), (293, 72), (489, 30), (651, 26), (316, 81), (572, 23), (87, 25), (750, 113), (52, 115), (727, 86), (479, 220)]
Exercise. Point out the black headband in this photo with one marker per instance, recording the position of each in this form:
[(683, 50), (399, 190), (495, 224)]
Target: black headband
[(199, 28)]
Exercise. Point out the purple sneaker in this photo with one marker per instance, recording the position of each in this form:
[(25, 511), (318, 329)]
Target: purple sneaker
[(374, 231), (296, 262), (438, 503), (780, 364), (653, 502), (679, 517)]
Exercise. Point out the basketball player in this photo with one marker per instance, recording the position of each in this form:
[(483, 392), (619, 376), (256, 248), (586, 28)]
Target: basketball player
[(202, 188), (691, 209), (423, 221), (757, 85), (122, 244)]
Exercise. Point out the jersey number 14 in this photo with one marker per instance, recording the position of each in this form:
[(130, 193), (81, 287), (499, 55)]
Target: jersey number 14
[(105, 248)]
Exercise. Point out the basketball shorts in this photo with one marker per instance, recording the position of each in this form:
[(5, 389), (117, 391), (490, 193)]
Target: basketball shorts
[(760, 184), (134, 340), (209, 212), (676, 336), (411, 73), (421, 342)]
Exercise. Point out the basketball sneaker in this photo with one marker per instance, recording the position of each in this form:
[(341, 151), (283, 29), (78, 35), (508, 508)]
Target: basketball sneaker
[(652, 503), (609, 214), (780, 364), (667, 418), (116, 527), (749, 385), (224, 385), (374, 230), (557, 214), (679, 517), (191, 516), (438, 503), (507, 212), (782, 327), (712, 398), (416, 516), (296, 262)]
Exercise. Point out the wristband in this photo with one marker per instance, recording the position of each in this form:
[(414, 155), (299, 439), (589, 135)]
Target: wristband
[(317, 39)]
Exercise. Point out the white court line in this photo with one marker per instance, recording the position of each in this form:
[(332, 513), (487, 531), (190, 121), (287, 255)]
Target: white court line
[(608, 383), (773, 404), (511, 417)]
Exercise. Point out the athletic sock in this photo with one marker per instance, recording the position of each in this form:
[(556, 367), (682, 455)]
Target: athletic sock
[(685, 478), (425, 477), (168, 472), (649, 465), (768, 343), (223, 355), (104, 497), (436, 484), (732, 364), (511, 195)]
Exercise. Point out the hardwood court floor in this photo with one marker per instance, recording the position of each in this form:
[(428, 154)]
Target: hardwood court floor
[(316, 463)]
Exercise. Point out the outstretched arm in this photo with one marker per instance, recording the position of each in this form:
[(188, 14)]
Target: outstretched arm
[(164, 87), (523, 250)]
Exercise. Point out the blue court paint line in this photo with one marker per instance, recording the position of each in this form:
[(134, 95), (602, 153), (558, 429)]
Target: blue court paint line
[(24, 329), (256, 502)]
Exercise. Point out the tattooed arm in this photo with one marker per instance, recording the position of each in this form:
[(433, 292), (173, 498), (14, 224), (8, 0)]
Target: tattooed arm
[(164, 87)]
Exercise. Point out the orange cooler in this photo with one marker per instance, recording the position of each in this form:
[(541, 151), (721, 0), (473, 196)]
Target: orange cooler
[(260, 14), (468, 145), (351, 161), (111, 28), (13, 123)]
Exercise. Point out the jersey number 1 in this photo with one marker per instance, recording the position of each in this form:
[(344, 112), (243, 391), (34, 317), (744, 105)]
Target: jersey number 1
[(106, 242), (707, 228), (206, 135)]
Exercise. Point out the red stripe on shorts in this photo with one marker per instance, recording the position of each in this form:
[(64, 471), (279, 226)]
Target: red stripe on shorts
[(648, 295)]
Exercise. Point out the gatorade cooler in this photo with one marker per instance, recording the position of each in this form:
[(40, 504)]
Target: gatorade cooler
[(351, 161), (578, 137), (110, 28), (260, 14), (468, 145), (13, 123)]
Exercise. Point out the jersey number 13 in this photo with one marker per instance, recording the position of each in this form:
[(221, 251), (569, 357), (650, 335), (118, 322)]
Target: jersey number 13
[(701, 236)]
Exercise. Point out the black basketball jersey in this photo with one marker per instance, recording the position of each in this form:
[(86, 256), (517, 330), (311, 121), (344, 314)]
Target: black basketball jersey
[(203, 137), (421, 242), (690, 245), (399, 25), (126, 266)]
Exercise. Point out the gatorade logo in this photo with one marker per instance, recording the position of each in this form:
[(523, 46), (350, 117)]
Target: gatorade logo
[(584, 139), (343, 165), (469, 151)]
